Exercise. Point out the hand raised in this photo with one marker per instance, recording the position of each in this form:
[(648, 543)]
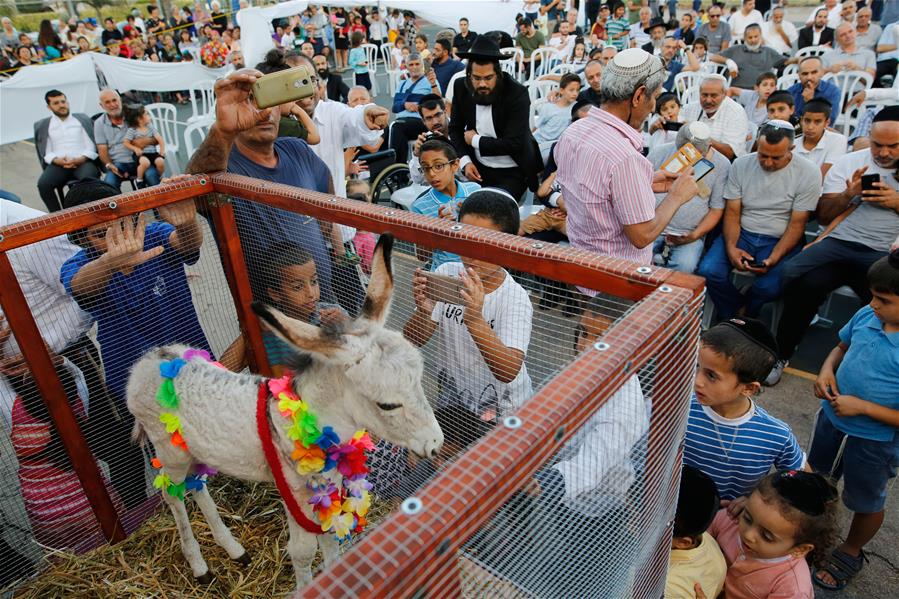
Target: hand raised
[(179, 213), (376, 118), (235, 110), (125, 245)]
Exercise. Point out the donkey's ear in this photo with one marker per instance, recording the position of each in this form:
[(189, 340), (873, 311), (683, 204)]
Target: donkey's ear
[(303, 335), (380, 287)]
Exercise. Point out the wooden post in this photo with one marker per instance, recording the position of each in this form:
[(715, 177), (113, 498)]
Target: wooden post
[(235, 266), (22, 324)]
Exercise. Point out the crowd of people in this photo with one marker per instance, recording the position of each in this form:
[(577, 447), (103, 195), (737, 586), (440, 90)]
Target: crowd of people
[(787, 210)]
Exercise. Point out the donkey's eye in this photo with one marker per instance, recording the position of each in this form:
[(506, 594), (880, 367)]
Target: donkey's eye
[(389, 406)]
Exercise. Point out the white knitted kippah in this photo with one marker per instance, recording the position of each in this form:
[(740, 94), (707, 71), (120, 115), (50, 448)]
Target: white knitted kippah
[(700, 131), (633, 62)]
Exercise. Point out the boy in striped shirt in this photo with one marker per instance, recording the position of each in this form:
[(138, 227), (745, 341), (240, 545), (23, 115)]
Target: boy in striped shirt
[(729, 437)]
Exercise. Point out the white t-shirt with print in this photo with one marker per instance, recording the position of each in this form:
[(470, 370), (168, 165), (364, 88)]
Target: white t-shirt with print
[(467, 380)]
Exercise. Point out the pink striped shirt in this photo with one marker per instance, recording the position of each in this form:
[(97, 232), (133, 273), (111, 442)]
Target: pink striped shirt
[(606, 183)]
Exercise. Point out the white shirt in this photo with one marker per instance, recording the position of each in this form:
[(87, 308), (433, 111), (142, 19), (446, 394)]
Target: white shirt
[(637, 34), (37, 266), (830, 147), (377, 30), (470, 384), (448, 96), (484, 127), (340, 127), (596, 463), (773, 39), (563, 49), (738, 22), (729, 124), (833, 15), (68, 139), (889, 37)]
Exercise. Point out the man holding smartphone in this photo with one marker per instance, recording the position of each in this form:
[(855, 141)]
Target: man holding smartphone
[(862, 217), (769, 196)]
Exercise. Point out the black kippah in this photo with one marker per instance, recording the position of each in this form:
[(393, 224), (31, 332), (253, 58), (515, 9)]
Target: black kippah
[(808, 492), (87, 191), (888, 113), (755, 331), (697, 503)]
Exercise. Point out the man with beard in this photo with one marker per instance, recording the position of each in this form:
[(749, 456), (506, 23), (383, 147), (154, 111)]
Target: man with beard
[(656, 32), (65, 147), (810, 87), (750, 59), (724, 116), (109, 134), (337, 90), (490, 124), (769, 197), (862, 224)]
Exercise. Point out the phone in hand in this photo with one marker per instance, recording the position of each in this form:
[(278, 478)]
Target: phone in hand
[(283, 87), (869, 182), (702, 168), (755, 263), (444, 288), (672, 126)]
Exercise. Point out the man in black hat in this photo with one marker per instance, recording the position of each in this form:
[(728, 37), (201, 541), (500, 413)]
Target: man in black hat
[(656, 31), (490, 123)]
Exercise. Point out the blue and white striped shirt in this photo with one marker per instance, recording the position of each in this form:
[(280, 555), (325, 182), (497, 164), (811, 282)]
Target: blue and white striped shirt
[(737, 453)]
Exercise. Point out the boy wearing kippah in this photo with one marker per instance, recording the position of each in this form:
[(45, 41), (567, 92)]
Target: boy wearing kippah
[(859, 388), (695, 556), (730, 437)]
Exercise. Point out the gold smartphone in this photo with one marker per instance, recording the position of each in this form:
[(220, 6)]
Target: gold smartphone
[(283, 87), (443, 288)]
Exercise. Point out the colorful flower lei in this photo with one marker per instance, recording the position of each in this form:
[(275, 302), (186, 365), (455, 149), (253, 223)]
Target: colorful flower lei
[(340, 509), (168, 400)]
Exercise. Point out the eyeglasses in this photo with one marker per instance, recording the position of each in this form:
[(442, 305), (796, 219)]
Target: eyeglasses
[(437, 168), (714, 16)]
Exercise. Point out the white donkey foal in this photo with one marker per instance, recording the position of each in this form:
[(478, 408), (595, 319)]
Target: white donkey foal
[(363, 377)]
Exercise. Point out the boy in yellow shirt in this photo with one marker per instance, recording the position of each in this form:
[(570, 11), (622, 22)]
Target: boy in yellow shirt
[(695, 556)]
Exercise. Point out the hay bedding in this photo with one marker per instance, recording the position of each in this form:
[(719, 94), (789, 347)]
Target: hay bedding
[(149, 564)]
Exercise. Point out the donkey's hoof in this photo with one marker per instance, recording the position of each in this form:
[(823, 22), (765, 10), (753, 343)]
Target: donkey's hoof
[(243, 559), (205, 578)]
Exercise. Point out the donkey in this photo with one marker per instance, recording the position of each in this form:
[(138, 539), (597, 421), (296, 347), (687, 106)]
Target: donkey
[(361, 376)]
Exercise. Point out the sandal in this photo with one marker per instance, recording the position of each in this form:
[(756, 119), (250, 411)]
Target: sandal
[(842, 567)]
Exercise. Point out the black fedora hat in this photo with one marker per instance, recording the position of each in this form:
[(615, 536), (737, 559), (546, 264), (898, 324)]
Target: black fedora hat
[(484, 47), (653, 23)]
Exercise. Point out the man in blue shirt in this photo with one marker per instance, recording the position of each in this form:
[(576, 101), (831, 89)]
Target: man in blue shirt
[(244, 140), (444, 66), (811, 87)]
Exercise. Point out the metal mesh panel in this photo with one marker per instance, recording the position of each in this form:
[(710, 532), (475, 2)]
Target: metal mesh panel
[(583, 396)]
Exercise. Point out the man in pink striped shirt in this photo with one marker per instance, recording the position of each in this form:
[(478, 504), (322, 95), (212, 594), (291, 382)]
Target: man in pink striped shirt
[(606, 181)]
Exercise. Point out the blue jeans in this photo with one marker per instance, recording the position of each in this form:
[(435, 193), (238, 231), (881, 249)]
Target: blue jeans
[(672, 9), (716, 268), (151, 177), (683, 258), (8, 195)]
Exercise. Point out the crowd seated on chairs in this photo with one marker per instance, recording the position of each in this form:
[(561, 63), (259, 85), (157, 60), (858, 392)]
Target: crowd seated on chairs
[(734, 145)]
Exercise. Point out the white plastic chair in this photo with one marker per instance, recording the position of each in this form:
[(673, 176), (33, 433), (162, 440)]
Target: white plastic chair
[(562, 68), (532, 114), (513, 64), (849, 82), (545, 56), (205, 104), (812, 51), (684, 82), (714, 68), (165, 119), (371, 56), (689, 96), (541, 88), (787, 81), (391, 72), (199, 128)]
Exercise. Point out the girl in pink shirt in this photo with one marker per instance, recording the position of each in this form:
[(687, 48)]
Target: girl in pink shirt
[(789, 518)]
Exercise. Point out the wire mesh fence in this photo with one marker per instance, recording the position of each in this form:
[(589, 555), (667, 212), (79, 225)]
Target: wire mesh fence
[(562, 411)]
